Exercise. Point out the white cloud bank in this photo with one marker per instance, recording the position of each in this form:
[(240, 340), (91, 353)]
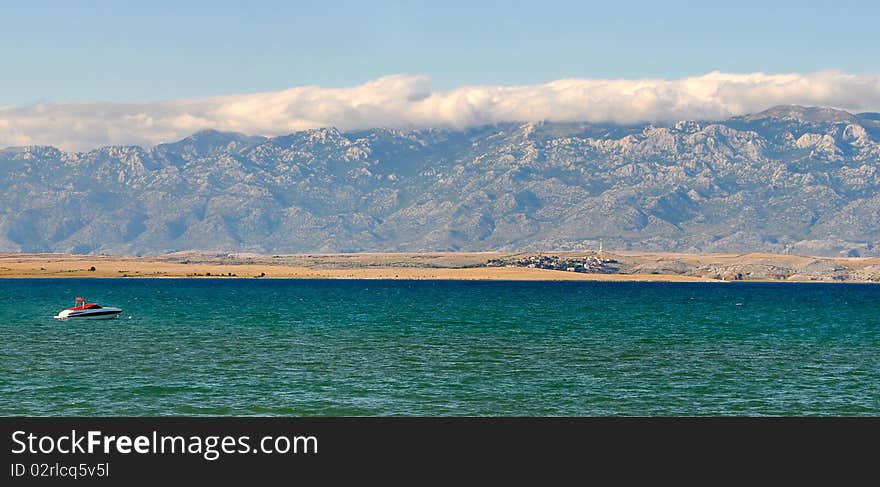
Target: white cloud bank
[(403, 101)]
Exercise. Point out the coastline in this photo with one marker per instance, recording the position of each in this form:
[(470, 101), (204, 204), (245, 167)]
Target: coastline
[(471, 266), (130, 268)]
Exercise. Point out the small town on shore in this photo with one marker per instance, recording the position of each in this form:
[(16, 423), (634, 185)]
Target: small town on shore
[(586, 264)]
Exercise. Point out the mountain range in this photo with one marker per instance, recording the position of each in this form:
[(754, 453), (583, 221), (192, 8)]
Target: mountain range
[(791, 179)]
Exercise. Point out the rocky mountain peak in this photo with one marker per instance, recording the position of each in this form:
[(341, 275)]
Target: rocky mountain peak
[(805, 114)]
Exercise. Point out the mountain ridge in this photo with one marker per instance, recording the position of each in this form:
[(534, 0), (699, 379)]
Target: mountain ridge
[(787, 180)]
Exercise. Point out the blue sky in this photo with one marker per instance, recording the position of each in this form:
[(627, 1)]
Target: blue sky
[(113, 51)]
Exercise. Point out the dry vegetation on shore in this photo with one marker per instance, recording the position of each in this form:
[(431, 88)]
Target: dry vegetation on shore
[(632, 266)]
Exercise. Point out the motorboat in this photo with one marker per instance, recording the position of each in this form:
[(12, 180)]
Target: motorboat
[(88, 311)]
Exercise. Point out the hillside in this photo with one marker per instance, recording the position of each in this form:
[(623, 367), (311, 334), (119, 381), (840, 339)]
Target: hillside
[(787, 180)]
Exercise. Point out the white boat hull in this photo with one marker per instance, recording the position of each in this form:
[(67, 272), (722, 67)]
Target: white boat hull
[(89, 314)]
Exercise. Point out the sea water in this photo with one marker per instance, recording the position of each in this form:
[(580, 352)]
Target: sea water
[(440, 348)]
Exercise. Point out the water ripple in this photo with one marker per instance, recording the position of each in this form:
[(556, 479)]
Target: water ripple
[(346, 348)]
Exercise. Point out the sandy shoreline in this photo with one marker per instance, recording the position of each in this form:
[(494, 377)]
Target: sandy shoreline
[(131, 268), (441, 266), (307, 266)]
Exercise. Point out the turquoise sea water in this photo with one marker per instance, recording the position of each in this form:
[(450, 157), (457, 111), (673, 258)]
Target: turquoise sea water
[(350, 348)]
